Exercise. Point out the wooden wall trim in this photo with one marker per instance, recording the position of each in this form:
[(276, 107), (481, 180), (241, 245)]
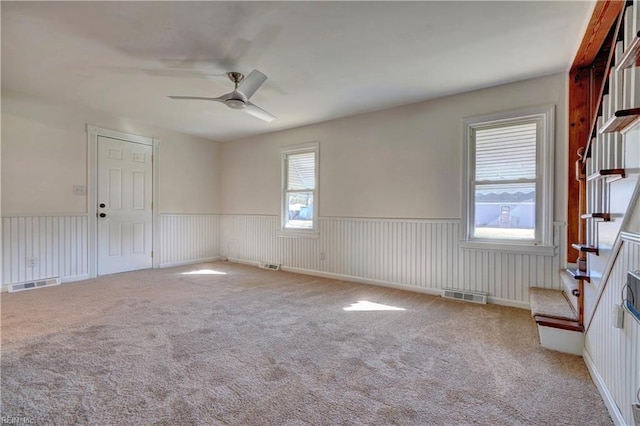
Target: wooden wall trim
[(579, 128), (603, 18)]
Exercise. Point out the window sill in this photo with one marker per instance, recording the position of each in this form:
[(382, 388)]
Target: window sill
[(294, 233), (541, 250)]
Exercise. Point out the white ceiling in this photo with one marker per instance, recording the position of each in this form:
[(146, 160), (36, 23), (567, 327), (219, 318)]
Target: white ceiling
[(324, 59)]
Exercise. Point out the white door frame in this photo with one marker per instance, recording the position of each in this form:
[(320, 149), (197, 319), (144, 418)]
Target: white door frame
[(93, 132)]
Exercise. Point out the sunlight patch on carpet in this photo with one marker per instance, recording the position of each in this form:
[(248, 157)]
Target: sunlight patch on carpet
[(204, 272), (364, 305)]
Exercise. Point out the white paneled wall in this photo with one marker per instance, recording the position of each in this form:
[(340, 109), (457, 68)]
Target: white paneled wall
[(508, 276), (188, 238), (57, 245), (249, 238), (420, 254), (424, 255), (615, 353)]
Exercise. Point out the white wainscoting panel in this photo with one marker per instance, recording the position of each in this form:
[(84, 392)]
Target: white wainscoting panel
[(250, 238), (419, 254), (508, 276), (57, 243), (615, 353), (188, 238)]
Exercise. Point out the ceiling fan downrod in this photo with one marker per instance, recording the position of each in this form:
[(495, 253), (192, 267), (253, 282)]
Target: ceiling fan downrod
[(235, 77)]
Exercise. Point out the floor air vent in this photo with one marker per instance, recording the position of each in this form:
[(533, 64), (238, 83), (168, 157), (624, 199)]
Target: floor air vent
[(466, 295), (271, 266), (30, 285)]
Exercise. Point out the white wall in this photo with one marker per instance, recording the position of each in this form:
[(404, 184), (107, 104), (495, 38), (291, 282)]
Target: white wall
[(44, 154), (390, 198), (401, 168), (404, 162)]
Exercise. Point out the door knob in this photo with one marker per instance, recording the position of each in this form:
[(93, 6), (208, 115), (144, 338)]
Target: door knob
[(102, 205), (103, 215)]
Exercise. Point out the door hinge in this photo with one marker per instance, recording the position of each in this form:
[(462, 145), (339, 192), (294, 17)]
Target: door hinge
[(152, 254)]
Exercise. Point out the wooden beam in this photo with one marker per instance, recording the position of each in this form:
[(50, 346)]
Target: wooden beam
[(603, 18), (579, 128)]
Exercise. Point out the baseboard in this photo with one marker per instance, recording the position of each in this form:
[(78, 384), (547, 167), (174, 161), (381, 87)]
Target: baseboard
[(508, 302), (608, 399), (380, 283), (243, 261), (189, 262), (74, 278), (360, 280)]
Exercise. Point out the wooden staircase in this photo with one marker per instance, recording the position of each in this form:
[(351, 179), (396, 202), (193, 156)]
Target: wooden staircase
[(558, 315), (601, 113), (603, 203)]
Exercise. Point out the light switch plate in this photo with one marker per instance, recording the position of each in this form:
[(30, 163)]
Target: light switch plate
[(79, 190)]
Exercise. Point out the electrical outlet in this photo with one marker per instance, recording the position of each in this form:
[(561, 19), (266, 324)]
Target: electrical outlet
[(323, 256), (31, 262), (79, 190)]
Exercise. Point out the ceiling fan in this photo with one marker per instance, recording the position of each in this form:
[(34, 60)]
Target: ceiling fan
[(239, 97)]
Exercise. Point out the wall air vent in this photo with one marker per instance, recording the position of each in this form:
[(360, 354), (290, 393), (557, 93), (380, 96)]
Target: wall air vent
[(30, 285), (466, 295), (270, 266)]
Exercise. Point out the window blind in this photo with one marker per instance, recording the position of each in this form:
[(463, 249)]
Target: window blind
[(506, 153), (301, 171)]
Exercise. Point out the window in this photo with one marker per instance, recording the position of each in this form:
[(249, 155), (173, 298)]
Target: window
[(509, 178), (299, 189)]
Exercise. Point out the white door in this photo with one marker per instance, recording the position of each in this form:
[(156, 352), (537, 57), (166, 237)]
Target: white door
[(124, 206)]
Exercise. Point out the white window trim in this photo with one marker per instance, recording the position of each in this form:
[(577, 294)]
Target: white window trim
[(543, 243), (295, 149)]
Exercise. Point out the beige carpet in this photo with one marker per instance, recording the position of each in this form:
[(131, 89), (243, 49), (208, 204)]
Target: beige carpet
[(262, 347), (551, 303)]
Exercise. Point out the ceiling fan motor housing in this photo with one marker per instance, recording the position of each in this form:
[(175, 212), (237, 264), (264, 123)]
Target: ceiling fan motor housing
[(236, 100)]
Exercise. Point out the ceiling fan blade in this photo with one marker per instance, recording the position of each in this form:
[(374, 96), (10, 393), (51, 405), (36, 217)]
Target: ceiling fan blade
[(256, 111), (251, 83), (199, 98)]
